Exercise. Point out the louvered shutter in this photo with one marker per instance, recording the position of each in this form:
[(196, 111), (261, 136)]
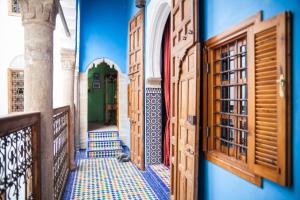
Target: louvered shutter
[(269, 139)]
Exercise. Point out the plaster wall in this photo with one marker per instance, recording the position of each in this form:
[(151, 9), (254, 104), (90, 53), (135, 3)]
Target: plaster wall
[(12, 49), (103, 32), (11, 46)]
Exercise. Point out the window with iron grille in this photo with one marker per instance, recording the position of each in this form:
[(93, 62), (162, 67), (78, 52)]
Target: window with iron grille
[(246, 99), (230, 99), (16, 90), (14, 7)]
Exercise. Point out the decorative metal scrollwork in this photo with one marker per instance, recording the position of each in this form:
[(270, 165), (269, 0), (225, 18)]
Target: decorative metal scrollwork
[(61, 170), (16, 165)]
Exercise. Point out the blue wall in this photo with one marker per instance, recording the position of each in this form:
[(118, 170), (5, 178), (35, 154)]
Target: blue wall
[(220, 184), (132, 9), (103, 31)]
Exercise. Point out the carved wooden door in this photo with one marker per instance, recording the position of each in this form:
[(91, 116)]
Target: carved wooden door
[(185, 93), (184, 19), (136, 76)]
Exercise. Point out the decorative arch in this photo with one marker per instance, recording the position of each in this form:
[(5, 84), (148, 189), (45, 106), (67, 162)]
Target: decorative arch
[(122, 118), (158, 12), (107, 61)]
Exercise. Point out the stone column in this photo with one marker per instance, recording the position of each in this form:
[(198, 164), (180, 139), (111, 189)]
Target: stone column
[(68, 68), (77, 113), (38, 18)]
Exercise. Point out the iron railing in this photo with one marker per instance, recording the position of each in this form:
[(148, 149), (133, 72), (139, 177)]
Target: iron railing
[(61, 131), (19, 156)]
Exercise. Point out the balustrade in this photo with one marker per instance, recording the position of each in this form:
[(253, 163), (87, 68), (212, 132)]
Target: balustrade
[(61, 128), (20, 172), (19, 156)]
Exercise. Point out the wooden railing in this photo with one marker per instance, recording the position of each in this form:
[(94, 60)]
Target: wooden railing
[(19, 156), (61, 129)]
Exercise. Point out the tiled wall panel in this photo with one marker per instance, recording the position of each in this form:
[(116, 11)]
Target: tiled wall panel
[(153, 126)]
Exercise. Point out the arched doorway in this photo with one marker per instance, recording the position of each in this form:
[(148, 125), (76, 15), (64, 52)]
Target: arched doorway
[(122, 121), (158, 13), (102, 96)]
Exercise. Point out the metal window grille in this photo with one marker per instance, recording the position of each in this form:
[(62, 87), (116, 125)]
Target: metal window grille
[(230, 92)]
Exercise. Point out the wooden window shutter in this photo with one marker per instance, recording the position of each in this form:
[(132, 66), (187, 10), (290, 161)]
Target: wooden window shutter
[(269, 95)]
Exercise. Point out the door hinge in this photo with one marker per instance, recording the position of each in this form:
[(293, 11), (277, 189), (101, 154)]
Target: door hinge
[(207, 131), (206, 59), (207, 68)]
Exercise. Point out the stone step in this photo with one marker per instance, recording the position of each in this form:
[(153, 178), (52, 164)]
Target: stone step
[(104, 144), (103, 139), (102, 135), (103, 153)]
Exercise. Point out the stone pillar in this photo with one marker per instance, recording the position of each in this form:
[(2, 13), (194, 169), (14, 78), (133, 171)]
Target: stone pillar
[(39, 18), (68, 68), (77, 113)]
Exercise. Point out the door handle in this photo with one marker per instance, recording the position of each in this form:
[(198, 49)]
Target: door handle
[(282, 82), (192, 152)]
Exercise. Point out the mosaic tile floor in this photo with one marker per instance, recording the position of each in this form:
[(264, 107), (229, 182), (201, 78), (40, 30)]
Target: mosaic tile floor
[(106, 178), (70, 182), (158, 177), (163, 172)]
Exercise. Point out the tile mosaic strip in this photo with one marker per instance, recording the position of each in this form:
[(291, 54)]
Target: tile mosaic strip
[(153, 126), (72, 176), (104, 153), (104, 144), (103, 135), (157, 185), (162, 172)]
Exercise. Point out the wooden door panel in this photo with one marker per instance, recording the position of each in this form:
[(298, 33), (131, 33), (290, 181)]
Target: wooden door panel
[(185, 137), (185, 90), (184, 24), (136, 76)]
